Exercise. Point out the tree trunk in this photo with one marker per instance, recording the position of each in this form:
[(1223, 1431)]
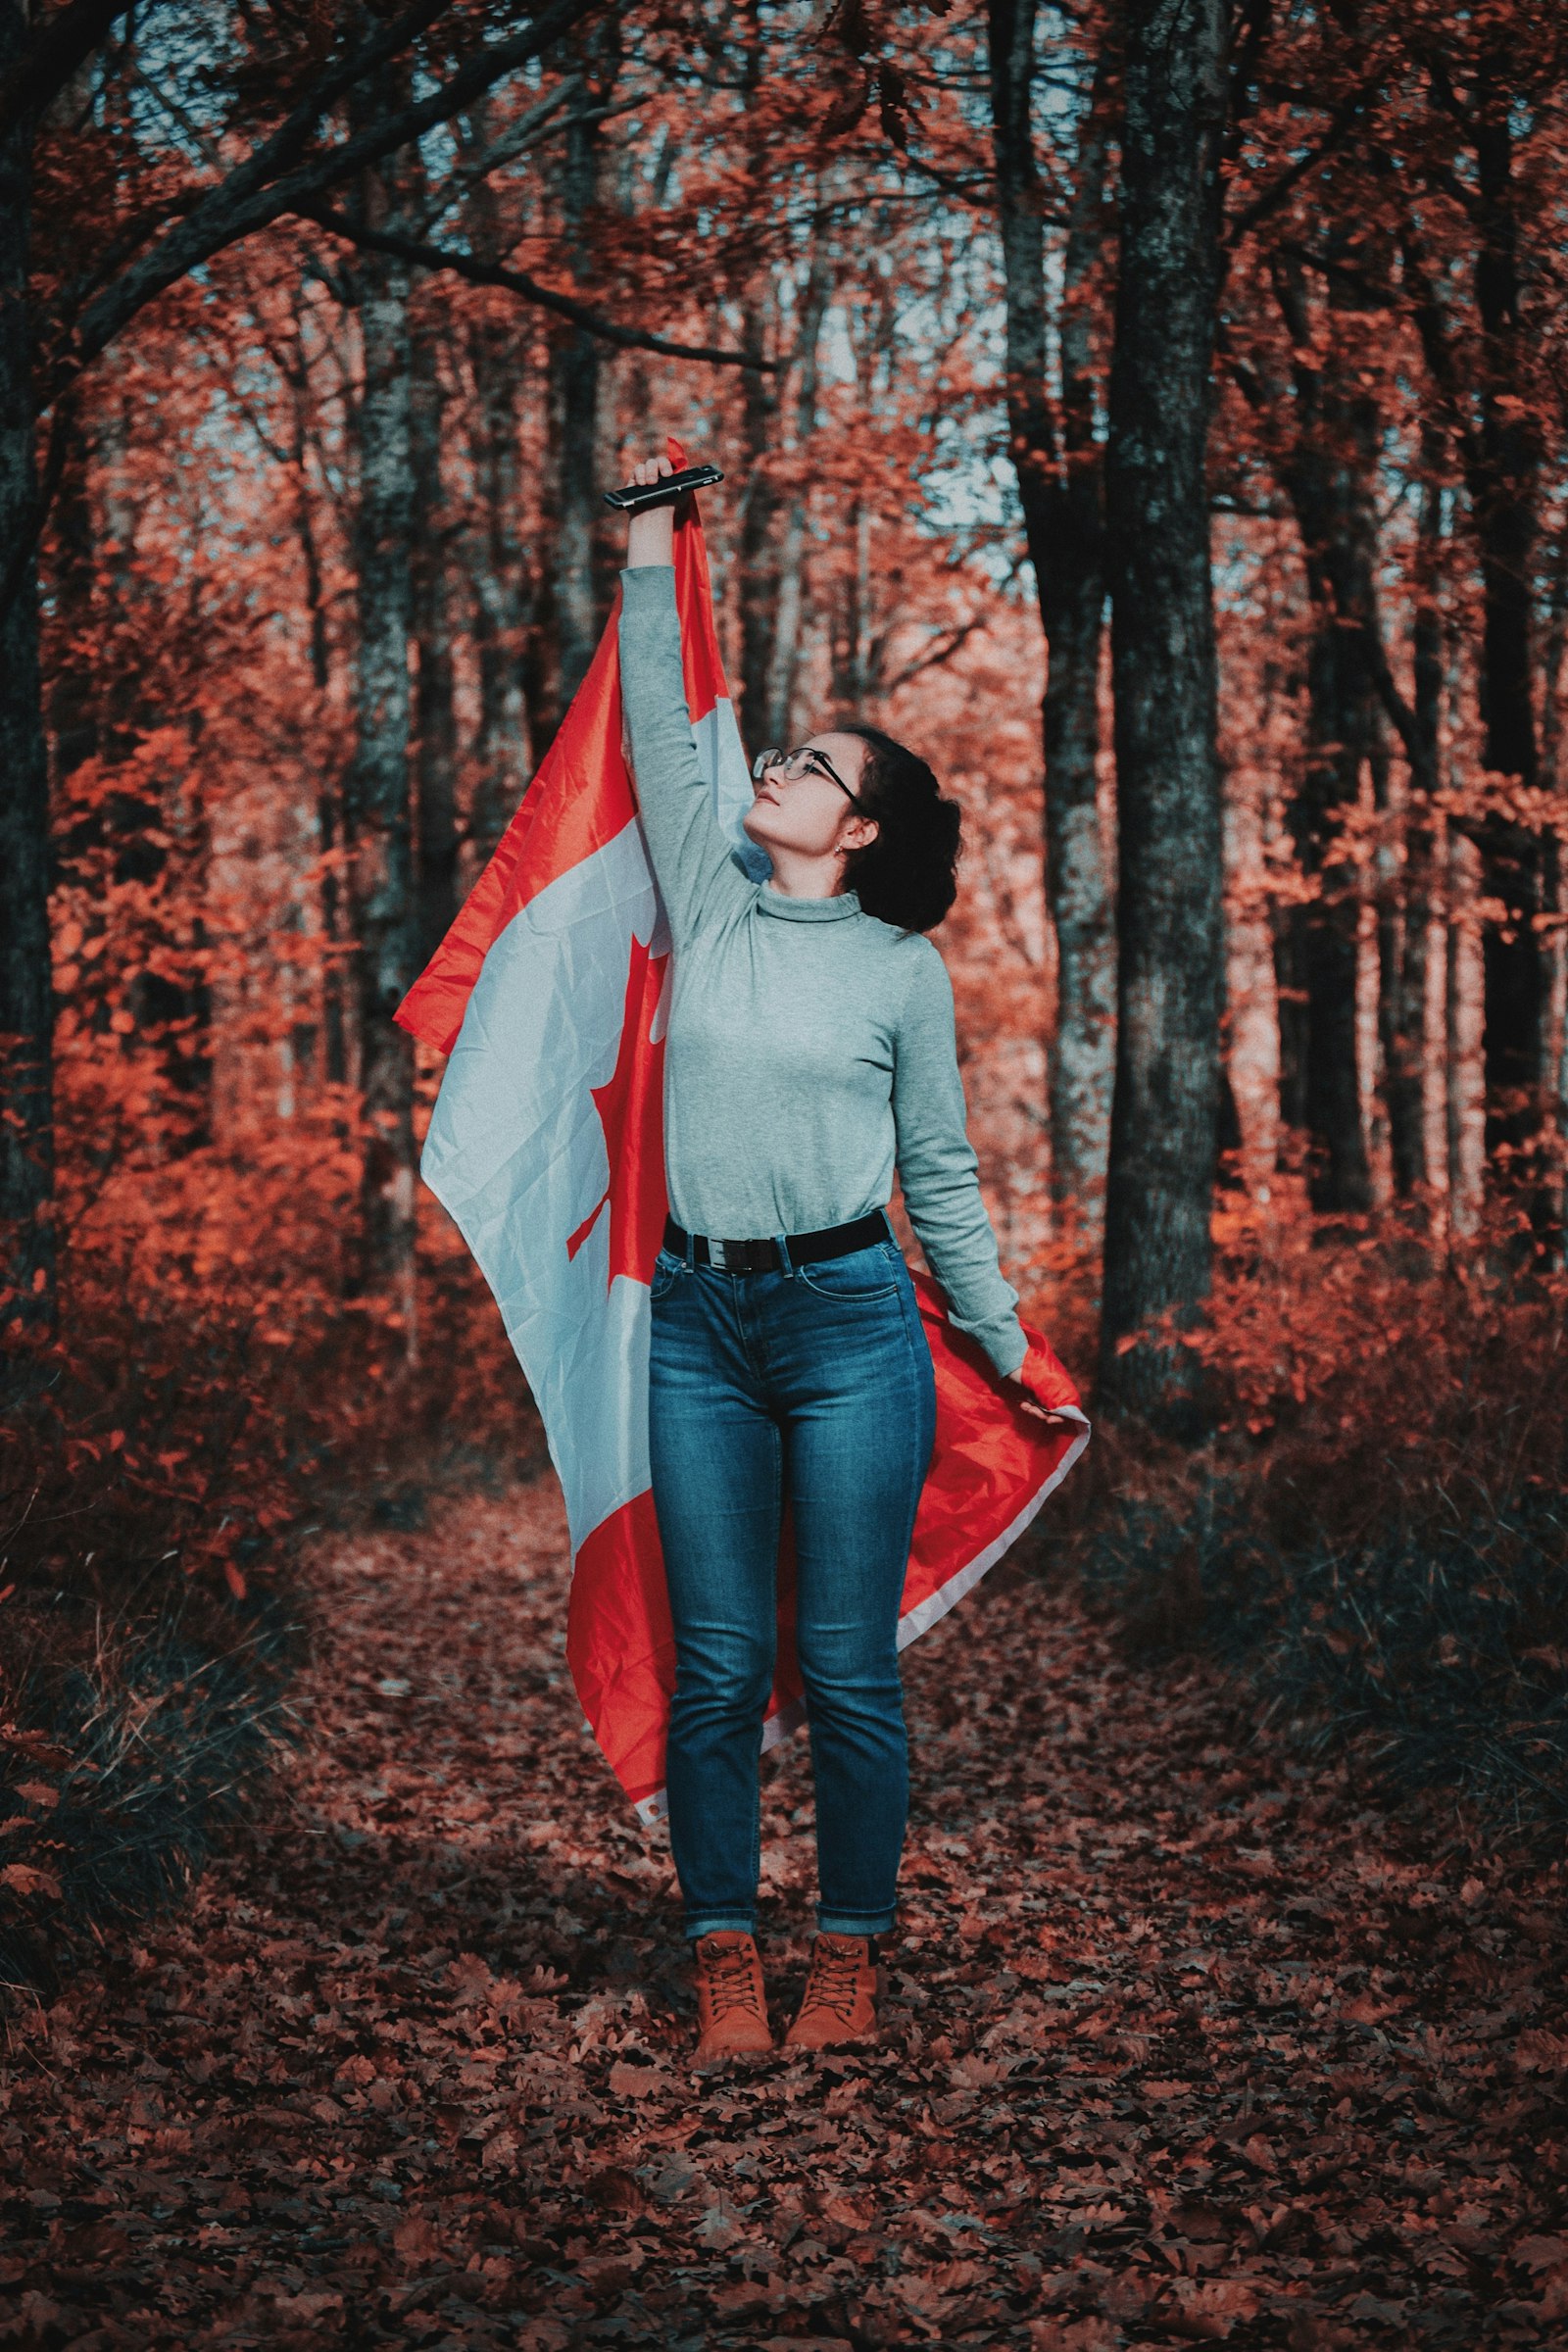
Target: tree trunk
[(1465, 1039), (436, 713), (1290, 993), (574, 372), (1382, 956), (1405, 1048), (785, 653), (26, 993), (849, 614), (70, 694), (1252, 1024), (1060, 485), (1503, 476), (1555, 652), (376, 812), (517, 686), (1330, 477), (1170, 965), (322, 1054), (583, 565), (757, 554)]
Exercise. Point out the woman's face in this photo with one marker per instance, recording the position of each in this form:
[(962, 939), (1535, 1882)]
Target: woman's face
[(796, 805)]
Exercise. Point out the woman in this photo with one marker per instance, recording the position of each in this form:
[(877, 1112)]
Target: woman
[(809, 1046)]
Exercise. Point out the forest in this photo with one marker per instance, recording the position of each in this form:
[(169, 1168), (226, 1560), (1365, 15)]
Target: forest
[(1155, 411)]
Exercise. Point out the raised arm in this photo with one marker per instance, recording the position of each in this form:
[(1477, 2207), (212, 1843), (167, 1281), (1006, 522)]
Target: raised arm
[(940, 1173), (693, 861)]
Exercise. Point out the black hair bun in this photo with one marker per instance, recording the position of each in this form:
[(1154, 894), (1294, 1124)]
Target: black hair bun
[(908, 875)]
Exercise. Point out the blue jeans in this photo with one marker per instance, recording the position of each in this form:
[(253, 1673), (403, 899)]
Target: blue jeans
[(818, 1385)]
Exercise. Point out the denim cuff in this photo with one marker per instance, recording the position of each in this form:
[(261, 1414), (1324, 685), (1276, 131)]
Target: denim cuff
[(719, 1923), (855, 1923)]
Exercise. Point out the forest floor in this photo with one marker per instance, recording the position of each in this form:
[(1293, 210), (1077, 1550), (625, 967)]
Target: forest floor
[(1187, 2039)]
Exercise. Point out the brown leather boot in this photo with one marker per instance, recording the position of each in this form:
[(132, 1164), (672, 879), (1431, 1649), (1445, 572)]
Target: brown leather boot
[(731, 2005), (840, 2003)]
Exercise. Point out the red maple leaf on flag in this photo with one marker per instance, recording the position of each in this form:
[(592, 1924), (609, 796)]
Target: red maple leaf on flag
[(631, 1111)]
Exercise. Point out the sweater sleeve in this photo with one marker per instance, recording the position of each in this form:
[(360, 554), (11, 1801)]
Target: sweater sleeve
[(938, 1171), (692, 858)]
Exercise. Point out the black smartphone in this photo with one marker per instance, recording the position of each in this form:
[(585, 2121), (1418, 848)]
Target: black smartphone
[(637, 496)]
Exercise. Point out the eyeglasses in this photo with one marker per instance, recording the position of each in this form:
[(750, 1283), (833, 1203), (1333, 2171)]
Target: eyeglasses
[(805, 761)]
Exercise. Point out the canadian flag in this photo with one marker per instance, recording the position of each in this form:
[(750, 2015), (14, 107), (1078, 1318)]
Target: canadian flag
[(549, 995)]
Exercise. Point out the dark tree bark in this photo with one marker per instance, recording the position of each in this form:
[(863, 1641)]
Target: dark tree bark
[(1328, 474), (1503, 483), (778, 704), (517, 686), (26, 994), (863, 607), (1554, 659), (1060, 489), (436, 719), (1170, 964), (332, 1061), (759, 521), (376, 798), (851, 612), (757, 550), (36, 69), (518, 689), (1404, 1044), (71, 697), (1491, 407), (583, 566)]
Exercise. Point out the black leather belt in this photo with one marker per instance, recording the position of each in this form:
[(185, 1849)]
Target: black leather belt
[(762, 1257)]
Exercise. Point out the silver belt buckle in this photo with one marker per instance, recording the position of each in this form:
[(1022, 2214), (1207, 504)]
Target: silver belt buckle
[(716, 1256)]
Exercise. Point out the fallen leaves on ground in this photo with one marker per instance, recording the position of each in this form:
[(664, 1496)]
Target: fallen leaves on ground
[(1187, 2042)]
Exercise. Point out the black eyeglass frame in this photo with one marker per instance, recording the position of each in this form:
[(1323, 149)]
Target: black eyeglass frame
[(774, 758)]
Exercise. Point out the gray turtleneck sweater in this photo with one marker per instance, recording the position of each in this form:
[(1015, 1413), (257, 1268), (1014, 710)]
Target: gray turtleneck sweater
[(811, 1047)]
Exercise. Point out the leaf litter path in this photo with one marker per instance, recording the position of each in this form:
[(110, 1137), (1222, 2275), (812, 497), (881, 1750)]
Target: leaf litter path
[(1187, 2043)]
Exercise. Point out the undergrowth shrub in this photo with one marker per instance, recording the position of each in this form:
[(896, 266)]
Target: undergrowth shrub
[(211, 1396), (1375, 1536), (139, 1718), (1441, 1658)]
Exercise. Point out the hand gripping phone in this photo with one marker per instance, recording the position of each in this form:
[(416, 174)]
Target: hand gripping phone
[(637, 496)]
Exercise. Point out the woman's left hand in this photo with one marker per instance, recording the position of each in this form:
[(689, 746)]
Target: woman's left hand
[(1039, 1382), (1040, 1412)]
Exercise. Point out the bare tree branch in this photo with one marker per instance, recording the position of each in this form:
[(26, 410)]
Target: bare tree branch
[(1401, 714), (522, 135), (264, 188), (517, 281), (943, 650)]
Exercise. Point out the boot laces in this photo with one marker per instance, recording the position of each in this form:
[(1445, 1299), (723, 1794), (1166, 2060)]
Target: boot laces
[(835, 1979), (730, 1983)]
